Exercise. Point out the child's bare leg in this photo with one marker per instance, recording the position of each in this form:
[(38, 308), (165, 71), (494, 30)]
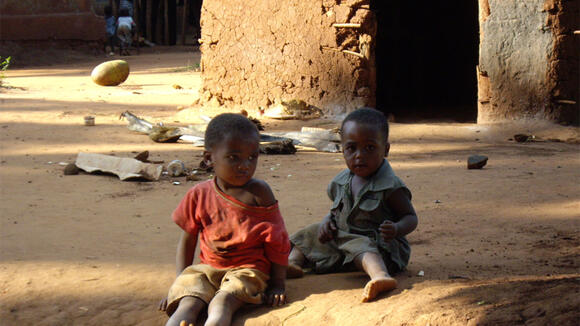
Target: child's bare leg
[(187, 311), (380, 281), (222, 308), (296, 261)]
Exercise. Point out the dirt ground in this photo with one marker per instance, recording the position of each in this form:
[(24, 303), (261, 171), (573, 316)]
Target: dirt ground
[(496, 246)]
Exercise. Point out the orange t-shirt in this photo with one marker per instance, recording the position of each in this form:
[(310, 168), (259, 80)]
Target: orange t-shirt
[(231, 233)]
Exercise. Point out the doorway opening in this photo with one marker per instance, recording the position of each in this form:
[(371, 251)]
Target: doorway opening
[(426, 58)]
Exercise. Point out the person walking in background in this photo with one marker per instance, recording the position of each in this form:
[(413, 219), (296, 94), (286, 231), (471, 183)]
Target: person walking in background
[(125, 27), (109, 30), (127, 4)]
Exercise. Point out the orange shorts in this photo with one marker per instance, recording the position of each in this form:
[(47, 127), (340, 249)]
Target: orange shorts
[(204, 281)]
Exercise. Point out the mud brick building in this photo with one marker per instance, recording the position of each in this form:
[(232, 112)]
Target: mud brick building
[(466, 60), (257, 53), (528, 64), (486, 60), (37, 20)]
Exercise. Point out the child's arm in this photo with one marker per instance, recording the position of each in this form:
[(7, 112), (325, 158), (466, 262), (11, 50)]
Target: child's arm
[(400, 204), (185, 251), (183, 258), (276, 292)]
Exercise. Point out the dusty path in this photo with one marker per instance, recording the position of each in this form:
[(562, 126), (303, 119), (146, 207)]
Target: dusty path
[(498, 246)]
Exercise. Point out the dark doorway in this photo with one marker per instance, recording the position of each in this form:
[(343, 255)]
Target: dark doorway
[(426, 57)]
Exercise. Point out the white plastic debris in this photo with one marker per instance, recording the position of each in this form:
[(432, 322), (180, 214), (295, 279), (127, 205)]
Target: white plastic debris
[(125, 168), (175, 168)]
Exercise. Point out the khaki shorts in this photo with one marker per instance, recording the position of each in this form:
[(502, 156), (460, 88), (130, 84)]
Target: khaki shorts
[(204, 281)]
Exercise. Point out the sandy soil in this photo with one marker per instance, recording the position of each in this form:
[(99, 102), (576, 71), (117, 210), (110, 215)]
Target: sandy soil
[(497, 246)]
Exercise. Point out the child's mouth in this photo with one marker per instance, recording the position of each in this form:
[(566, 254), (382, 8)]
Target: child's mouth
[(242, 176)]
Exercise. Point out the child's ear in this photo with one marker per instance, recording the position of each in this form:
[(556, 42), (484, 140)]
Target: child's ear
[(387, 148), (207, 158)]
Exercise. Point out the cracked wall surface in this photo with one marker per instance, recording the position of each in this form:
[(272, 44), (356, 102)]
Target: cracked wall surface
[(257, 53), (528, 68), (260, 53)]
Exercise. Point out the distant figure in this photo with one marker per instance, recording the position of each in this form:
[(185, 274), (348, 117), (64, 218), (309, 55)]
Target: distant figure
[(125, 26), (127, 4), (235, 219), (109, 30), (370, 216)]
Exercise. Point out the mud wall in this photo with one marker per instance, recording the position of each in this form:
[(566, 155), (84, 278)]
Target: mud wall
[(564, 65), (22, 20), (528, 60), (257, 53)]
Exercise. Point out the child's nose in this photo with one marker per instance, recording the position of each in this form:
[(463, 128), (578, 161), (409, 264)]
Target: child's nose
[(245, 165)]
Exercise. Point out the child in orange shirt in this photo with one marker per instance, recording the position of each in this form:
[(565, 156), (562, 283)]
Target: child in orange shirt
[(243, 241)]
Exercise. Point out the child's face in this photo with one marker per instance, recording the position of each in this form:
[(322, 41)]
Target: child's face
[(364, 148), (235, 159)]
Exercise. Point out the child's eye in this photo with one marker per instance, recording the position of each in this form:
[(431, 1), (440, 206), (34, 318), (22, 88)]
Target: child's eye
[(232, 157), (370, 148)]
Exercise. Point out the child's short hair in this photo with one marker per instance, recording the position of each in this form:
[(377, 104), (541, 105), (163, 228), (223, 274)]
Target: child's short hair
[(227, 124), (123, 12), (369, 116)]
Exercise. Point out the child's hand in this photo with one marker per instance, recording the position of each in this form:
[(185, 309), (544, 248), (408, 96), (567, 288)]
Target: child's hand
[(163, 304), (327, 229), (388, 230), (275, 296)]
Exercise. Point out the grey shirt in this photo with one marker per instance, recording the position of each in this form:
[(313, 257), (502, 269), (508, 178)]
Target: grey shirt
[(358, 220)]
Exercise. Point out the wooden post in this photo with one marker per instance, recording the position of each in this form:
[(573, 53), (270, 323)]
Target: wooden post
[(136, 17), (149, 18), (115, 9), (166, 14), (184, 22), (346, 25)]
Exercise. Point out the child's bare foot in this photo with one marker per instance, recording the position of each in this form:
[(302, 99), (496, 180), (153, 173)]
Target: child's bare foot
[(376, 286), (294, 271), (184, 323)]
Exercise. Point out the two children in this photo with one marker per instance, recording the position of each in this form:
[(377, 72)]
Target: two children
[(243, 241)]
